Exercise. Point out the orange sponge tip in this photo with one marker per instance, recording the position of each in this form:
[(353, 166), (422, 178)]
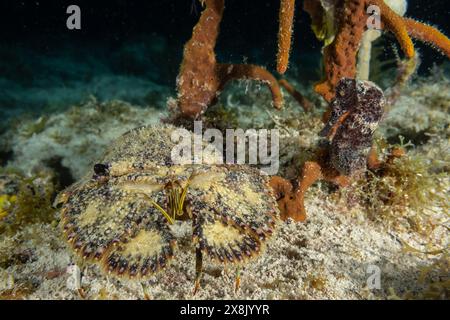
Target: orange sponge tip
[(286, 16)]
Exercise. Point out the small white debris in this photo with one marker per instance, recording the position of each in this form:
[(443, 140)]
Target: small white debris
[(74, 280)]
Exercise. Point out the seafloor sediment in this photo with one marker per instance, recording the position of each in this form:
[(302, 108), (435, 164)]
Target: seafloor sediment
[(397, 223)]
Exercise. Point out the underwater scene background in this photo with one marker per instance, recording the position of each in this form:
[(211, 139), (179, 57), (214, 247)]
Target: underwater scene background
[(132, 50), (67, 95)]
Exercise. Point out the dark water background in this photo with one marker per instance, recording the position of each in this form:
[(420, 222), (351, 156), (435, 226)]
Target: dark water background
[(132, 49)]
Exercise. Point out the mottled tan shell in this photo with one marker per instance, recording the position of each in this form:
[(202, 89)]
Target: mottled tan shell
[(111, 219)]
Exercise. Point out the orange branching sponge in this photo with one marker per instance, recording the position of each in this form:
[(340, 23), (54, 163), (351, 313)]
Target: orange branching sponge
[(229, 72), (286, 17), (428, 34), (340, 55), (351, 19), (197, 82), (201, 78), (395, 23)]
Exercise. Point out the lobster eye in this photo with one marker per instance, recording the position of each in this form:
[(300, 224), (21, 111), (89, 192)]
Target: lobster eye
[(101, 170)]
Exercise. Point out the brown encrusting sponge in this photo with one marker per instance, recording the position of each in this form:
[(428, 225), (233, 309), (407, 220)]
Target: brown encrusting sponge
[(201, 78)]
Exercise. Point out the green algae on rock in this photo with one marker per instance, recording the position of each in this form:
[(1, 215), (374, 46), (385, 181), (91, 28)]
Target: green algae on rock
[(25, 199)]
